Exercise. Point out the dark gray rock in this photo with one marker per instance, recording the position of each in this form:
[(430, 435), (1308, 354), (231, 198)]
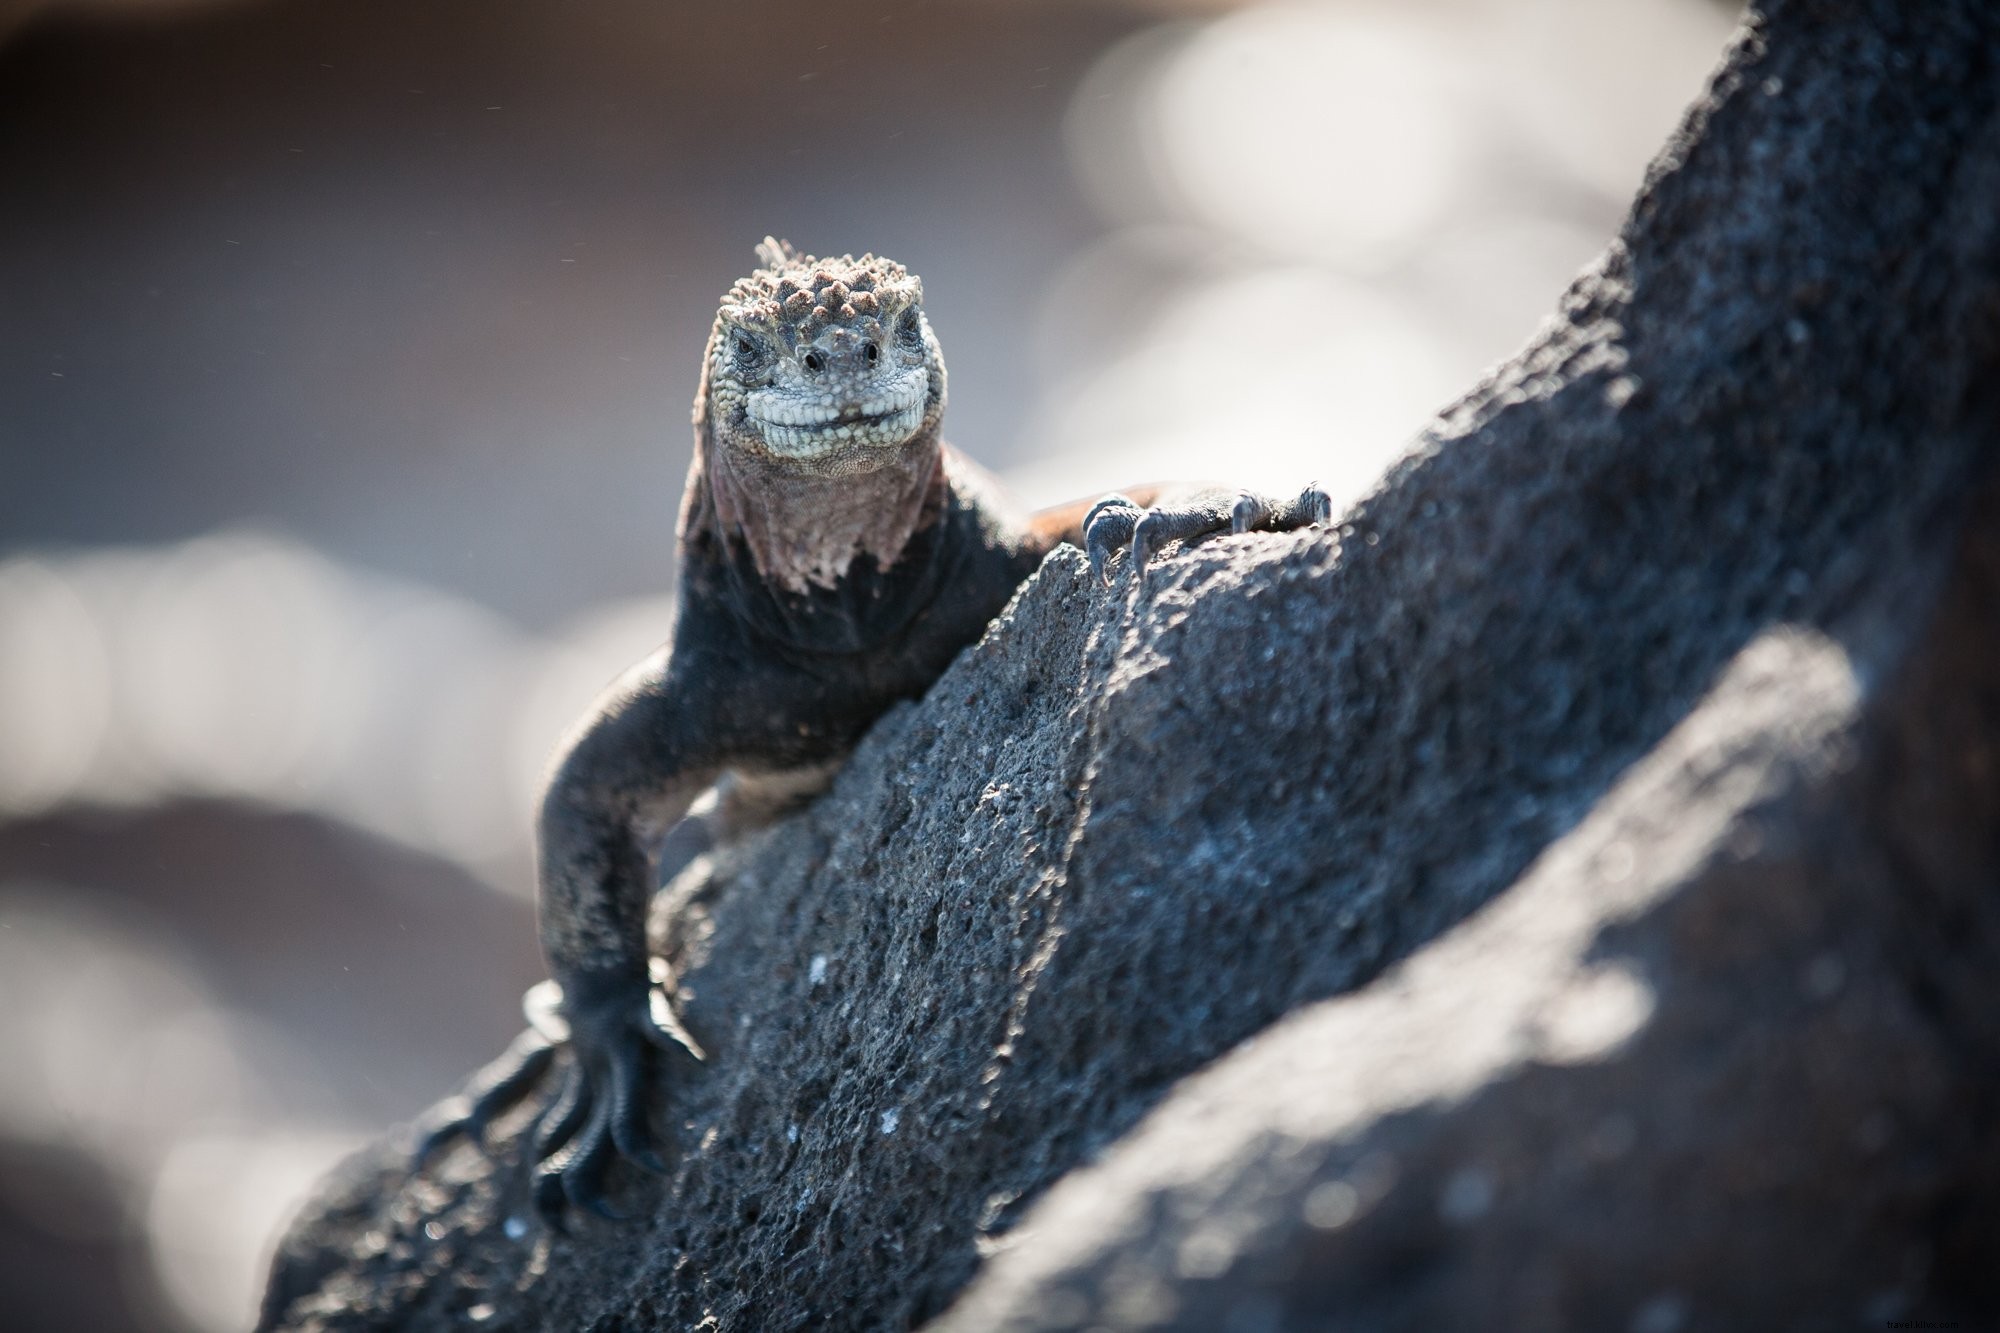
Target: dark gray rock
[(1128, 832), (1724, 1057)]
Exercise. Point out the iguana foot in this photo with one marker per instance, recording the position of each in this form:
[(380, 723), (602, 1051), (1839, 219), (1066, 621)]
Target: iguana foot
[(599, 1112), (599, 1107), (1116, 523)]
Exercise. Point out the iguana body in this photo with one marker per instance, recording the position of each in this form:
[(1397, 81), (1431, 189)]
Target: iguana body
[(835, 555)]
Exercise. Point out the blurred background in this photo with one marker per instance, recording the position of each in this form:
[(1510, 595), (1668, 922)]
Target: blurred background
[(346, 349)]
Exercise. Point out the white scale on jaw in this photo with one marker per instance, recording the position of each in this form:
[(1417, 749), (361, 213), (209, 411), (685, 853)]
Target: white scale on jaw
[(787, 423)]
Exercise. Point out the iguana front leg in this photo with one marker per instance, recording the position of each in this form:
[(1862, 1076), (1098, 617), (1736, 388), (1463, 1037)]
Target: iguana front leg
[(626, 777)]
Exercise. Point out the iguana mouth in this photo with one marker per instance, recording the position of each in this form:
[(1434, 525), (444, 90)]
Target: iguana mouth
[(889, 428), (798, 427)]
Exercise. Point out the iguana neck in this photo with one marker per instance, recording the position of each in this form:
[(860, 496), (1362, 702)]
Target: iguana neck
[(805, 531)]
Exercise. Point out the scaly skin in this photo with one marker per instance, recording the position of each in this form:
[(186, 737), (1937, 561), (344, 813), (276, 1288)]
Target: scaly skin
[(835, 556)]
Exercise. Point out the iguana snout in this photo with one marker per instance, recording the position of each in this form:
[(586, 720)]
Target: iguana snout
[(842, 388)]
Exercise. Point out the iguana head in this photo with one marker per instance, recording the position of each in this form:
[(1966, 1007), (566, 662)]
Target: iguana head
[(821, 367)]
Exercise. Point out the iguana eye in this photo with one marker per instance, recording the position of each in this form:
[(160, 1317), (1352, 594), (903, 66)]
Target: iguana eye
[(748, 351), (910, 328)]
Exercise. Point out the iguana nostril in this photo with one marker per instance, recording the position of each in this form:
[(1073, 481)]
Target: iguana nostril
[(815, 363), (871, 354)]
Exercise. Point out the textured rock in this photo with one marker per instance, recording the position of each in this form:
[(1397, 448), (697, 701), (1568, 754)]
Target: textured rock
[(1129, 831), (1724, 1056)]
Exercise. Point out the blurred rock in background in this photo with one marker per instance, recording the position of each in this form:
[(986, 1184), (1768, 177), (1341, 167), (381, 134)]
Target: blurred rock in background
[(345, 358)]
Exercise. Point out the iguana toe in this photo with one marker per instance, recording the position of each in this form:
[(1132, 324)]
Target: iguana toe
[(1168, 523), (562, 1117), (492, 1091), (1108, 527)]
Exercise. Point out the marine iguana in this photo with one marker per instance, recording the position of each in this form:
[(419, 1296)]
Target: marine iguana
[(835, 555)]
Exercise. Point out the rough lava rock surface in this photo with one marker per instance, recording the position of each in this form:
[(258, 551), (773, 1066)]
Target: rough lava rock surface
[(1667, 647), (1723, 1058)]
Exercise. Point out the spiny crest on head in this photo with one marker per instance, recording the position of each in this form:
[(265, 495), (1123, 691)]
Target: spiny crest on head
[(801, 294)]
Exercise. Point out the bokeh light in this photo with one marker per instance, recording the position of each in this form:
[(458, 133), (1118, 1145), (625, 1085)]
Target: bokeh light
[(245, 665), (54, 686), (133, 1061), (1328, 217), (1313, 129)]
